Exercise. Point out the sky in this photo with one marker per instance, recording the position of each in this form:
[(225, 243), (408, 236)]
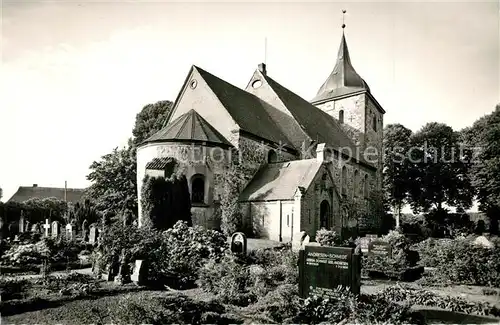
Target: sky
[(75, 74)]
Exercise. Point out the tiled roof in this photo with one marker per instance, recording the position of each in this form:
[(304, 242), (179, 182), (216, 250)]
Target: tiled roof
[(318, 125), (247, 110), (280, 181), (189, 127), (28, 192), (343, 80), (159, 163)]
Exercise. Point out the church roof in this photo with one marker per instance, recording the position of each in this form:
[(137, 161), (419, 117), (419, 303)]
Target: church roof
[(24, 193), (247, 110), (343, 80), (318, 125), (190, 127), (279, 181)]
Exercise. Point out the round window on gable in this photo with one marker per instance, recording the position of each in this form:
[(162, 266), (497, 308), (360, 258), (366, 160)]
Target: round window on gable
[(256, 84), (193, 84)]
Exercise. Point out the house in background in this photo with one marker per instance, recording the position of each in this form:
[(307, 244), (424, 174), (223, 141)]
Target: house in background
[(23, 193)]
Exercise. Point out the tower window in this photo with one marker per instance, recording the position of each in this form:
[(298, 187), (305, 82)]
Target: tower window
[(341, 116), (366, 184), (343, 180), (356, 183), (374, 123), (198, 189)]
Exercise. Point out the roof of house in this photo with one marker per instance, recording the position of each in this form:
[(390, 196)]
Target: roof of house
[(247, 110), (24, 193), (343, 80), (279, 181), (192, 127)]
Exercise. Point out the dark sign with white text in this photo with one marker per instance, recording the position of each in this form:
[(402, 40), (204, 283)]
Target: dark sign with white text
[(322, 269)]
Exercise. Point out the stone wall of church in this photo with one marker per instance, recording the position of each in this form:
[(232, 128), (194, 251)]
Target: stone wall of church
[(374, 138)]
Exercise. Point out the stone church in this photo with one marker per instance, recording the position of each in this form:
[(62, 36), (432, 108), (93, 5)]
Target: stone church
[(313, 164)]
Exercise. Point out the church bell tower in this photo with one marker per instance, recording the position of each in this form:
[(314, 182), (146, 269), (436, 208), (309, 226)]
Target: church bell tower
[(347, 98)]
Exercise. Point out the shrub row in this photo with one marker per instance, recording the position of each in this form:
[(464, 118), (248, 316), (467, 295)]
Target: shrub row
[(460, 261)]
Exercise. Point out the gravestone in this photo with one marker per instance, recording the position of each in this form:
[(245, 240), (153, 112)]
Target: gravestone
[(139, 274), (56, 228), (364, 242), (22, 222), (299, 241), (484, 242), (69, 231), (94, 234), (380, 247), (323, 268), (239, 243), (27, 226), (46, 227)]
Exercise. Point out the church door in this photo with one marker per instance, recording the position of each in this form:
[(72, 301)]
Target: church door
[(324, 214)]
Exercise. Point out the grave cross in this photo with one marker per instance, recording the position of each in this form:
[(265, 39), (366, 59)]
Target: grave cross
[(47, 227)]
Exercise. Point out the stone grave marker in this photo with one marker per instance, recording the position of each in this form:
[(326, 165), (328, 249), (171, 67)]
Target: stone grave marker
[(484, 242), (139, 274), (69, 231), (46, 226), (239, 243), (22, 222), (27, 226), (380, 247), (94, 234), (56, 229), (364, 242), (322, 269)]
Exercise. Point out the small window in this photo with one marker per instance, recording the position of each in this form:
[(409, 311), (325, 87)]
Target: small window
[(193, 83), (366, 186), (272, 157), (341, 116), (356, 183), (288, 220), (344, 180), (309, 214), (374, 122), (256, 84), (198, 189)]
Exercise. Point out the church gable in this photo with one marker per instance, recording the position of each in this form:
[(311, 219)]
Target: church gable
[(197, 95)]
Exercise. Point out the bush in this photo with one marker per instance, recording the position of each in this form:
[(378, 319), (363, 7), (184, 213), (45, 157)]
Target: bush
[(460, 261), (240, 281), (174, 309), (173, 256), (13, 289), (328, 237), (422, 297)]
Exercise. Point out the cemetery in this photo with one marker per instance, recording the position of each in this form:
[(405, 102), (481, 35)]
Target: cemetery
[(249, 205)]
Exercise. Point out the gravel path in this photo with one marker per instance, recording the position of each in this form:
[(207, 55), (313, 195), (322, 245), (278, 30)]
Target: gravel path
[(36, 276)]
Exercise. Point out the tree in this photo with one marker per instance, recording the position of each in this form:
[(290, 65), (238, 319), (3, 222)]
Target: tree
[(166, 200), (114, 183), (483, 138), (150, 120), (439, 173), (397, 168)]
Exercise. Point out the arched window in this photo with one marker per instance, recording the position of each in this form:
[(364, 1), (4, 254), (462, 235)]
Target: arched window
[(374, 123), (272, 157), (341, 116), (198, 189), (344, 180), (356, 183), (366, 186)]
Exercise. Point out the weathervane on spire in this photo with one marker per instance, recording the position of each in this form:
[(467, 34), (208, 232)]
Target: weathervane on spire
[(343, 16)]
